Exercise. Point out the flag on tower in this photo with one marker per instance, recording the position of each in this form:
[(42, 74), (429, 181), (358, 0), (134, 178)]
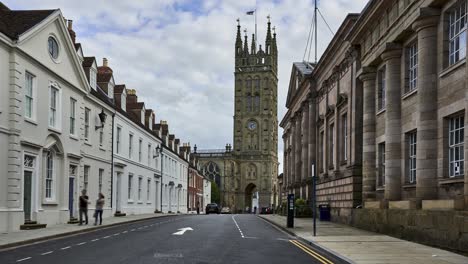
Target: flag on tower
[(250, 12)]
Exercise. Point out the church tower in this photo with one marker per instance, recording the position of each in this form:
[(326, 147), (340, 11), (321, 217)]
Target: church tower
[(255, 142)]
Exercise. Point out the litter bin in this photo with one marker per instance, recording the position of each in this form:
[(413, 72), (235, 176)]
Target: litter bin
[(324, 210)]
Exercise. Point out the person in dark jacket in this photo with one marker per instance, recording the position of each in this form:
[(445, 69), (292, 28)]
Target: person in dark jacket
[(84, 207)]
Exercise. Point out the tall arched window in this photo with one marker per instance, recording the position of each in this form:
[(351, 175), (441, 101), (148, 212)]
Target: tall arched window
[(249, 103), (212, 170), (49, 175)]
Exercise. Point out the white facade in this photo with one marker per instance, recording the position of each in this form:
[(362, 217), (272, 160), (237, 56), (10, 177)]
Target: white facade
[(42, 143), (175, 180), (206, 192)]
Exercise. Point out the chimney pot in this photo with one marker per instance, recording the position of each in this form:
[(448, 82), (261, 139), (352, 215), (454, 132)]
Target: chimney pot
[(105, 63), (70, 24)]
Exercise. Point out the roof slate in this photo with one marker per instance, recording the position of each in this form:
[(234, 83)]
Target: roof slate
[(14, 23)]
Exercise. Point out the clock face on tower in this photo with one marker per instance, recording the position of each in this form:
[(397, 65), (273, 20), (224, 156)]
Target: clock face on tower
[(252, 125)]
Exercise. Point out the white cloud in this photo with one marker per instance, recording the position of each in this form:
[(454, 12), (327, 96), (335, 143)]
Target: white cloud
[(181, 61)]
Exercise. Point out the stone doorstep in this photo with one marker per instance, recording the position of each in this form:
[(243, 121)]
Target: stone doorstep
[(406, 205), (374, 205), (442, 204)]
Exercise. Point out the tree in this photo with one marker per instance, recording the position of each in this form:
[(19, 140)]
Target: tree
[(215, 195)]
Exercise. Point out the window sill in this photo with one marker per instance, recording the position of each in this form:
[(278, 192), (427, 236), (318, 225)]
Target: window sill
[(380, 111), (380, 189), (452, 68), (130, 201), (409, 94), (409, 186), (31, 121), (58, 131), (49, 202), (344, 162), (102, 148), (453, 180), (87, 143), (74, 137), (139, 202)]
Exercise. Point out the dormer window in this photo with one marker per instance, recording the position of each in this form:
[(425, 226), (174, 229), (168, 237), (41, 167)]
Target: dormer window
[(92, 78), (110, 89), (123, 100), (143, 116), (150, 122)]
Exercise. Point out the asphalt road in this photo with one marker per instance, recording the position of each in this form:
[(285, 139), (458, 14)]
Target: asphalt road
[(214, 239)]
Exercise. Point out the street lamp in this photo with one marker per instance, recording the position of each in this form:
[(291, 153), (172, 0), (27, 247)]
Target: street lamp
[(102, 118)]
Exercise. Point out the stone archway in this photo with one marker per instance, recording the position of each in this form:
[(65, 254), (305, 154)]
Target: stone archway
[(250, 190)]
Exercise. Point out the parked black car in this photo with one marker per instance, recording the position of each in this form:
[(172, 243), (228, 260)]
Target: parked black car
[(266, 210), (212, 208)]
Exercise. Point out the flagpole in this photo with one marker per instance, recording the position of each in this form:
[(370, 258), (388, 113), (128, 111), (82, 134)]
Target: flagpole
[(255, 22)]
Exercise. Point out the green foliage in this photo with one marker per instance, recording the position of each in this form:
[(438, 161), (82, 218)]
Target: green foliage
[(215, 195), (300, 202)]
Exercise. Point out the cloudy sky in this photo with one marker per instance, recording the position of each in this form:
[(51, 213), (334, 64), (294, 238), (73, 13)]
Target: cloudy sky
[(179, 54)]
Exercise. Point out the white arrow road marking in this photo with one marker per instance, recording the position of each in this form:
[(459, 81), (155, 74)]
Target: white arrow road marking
[(182, 231)]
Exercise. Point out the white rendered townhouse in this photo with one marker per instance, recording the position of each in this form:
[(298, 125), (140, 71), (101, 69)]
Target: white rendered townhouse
[(137, 184), (43, 91)]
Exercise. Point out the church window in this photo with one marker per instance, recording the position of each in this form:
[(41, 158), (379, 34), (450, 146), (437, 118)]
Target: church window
[(212, 170), (249, 103), (256, 103), (248, 85), (257, 85)]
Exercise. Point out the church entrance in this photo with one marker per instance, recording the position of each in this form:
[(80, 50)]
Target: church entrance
[(250, 198)]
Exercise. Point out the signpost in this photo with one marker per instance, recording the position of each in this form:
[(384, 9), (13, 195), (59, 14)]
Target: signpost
[(290, 210), (314, 198)]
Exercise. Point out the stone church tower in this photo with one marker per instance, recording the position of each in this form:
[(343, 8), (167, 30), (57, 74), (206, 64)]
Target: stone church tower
[(250, 167)]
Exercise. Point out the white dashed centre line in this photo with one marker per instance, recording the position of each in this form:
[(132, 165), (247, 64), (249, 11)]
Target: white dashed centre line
[(82, 243), (240, 231), (46, 253), (94, 240), (105, 237), (116, 234), (23, 259), (132, 230), (64, 248)]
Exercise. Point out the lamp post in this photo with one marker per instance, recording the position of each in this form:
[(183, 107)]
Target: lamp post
[(102, 118), (314, 198), (159, 150)]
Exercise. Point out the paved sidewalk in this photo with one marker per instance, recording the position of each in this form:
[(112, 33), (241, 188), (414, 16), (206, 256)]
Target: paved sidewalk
[(365, 247), (21, 237)]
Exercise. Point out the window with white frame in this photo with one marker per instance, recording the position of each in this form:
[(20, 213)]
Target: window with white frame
[(142, 116), (149, 154), (150, 122), (412, 157), (381, 89), (381, 165), (148, 189), (130, 181), (456, 146), (86, 177), (101, 137), (140, 180), (49, 188), (92, 78), (86, 123), (29, 96), (457, 32), (72, 116), (101, 174), (53, 107), (412, 53), (140, 143), (331, 145), (130, 146), (344, 127), (119, 139)]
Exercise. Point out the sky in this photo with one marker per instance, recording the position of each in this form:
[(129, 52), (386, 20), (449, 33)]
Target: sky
[(179, 54)]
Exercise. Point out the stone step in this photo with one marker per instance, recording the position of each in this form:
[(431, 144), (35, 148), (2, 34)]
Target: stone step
[(30, 226), (118, 214), (73, 220)]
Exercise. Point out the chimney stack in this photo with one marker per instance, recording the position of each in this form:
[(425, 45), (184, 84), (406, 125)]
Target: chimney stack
[(70, 30), (105, 62), (70, 24)]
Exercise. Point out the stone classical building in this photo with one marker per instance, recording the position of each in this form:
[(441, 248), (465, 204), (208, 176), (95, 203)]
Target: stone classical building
[(388, 114), (323, 127), (249, 168)]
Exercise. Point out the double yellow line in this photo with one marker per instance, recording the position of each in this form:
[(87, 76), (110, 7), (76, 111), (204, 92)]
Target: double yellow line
[(309, 251)]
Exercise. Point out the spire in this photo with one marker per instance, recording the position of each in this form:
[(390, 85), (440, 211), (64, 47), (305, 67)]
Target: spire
[(274, 40), (253, 49), (268, 42), (238, 39), (246, 44)]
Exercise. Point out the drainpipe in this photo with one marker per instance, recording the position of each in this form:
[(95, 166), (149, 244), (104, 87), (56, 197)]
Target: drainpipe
[(162, 167), (112, 162)]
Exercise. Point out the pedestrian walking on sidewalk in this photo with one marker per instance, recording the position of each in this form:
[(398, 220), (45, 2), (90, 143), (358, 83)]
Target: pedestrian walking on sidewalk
[(99, 207), (198, 208), (83, 207)]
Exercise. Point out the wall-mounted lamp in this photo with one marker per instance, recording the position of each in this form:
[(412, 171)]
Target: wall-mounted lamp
[(102, 118), (156, 152)]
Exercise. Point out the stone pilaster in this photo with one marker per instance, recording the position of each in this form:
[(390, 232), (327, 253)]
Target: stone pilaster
[(298, 152), (368, 77), (426, 135), (392, 59), (285, 158), (305, 141), (312, 159), (292, 162)]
